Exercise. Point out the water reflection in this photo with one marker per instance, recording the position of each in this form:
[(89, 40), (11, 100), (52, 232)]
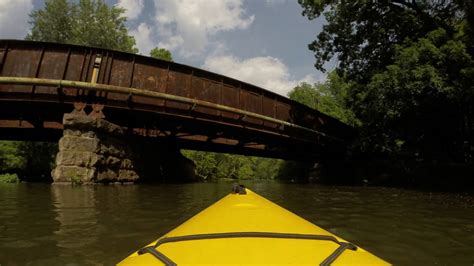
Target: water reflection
[(78, 229), (26, 225), (100, 225)]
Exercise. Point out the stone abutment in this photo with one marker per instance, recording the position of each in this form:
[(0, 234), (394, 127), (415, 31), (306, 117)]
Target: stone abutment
[(94, 150)]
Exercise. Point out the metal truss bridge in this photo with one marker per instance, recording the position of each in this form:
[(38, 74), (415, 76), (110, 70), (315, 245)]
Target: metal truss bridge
[(155, 100)]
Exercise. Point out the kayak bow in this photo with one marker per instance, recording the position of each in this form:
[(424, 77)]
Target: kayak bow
[(245, 228)]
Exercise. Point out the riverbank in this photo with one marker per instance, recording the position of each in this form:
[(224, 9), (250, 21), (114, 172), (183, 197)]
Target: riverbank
[(33, 162), (402, 174)]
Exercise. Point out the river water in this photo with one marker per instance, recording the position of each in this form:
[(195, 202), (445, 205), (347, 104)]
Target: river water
[(43, 224)]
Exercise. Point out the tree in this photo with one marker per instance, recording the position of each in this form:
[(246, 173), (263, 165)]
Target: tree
[(11, 159), (30, 160), (329, 98), (410, 70), (210, 165), (87, 22), (54, 23), (205, 163), (161, 53), (430, 81), (363, 34)]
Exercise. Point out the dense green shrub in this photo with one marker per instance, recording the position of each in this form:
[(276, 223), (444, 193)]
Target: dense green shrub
[(9, 178)]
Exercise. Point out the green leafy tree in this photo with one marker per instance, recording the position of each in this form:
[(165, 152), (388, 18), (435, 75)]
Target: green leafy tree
[(11, 159), (431, 79), (409, 66), (161, 53), (210, 165), (9, 178), (329, 97), (54, 23), (306, 94), (205, 163), (30, 160), (86, 22), (266, 168), (363, 34)]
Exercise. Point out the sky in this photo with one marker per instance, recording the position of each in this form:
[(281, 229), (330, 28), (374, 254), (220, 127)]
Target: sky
[(263, 42)]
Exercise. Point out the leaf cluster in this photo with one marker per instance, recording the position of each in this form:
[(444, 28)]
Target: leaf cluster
[(210, 165), (9, 178), (86, 22), (161, 53), (329, 98), (430, 81), (11, 157), (410, 73), (27, 159), (363, 34)]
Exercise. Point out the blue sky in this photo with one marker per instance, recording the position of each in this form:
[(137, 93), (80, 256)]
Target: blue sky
[(263, 42)]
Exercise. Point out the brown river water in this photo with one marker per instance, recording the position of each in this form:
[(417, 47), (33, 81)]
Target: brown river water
[(43, 224)]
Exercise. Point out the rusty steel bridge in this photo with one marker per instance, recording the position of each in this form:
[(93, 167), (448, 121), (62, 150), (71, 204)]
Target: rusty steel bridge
[(155, 100)]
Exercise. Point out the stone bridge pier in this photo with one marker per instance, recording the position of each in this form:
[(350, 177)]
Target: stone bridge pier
[(94, 150)]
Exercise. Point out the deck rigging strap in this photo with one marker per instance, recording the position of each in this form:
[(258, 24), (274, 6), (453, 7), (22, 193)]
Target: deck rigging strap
[(331, 258), (162, 257), (167, 261)]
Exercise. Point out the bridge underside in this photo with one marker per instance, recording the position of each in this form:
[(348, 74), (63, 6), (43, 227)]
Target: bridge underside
[(43, 122)]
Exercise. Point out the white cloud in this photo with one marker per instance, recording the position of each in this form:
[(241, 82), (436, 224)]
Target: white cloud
[(267, 72), (172, 42), (143, 38), (133, 8), (14, 18), (186, 25)]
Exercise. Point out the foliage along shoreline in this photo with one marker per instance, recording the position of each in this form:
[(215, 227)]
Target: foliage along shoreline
[(33, 161)]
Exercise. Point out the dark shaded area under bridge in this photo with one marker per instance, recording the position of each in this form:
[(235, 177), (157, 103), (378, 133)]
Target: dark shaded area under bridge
[(155, 100)]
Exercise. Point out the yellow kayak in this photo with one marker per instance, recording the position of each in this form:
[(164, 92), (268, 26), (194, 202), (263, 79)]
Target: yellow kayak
[(245, 228)]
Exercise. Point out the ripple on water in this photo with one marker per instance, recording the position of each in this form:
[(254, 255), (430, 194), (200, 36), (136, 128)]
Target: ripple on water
[(71, 225), (19, 244)]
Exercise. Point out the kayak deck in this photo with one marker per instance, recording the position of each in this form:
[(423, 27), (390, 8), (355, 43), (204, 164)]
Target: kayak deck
[(249, 229)]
